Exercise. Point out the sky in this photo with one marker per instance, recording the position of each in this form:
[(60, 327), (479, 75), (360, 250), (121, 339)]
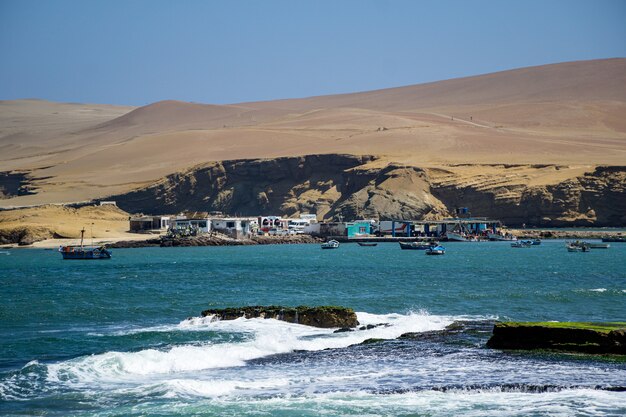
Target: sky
[(135, 52)]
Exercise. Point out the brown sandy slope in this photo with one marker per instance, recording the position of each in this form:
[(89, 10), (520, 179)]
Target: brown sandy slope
[(570, 114), (53, 221)]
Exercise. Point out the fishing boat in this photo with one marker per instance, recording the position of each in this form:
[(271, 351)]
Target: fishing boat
[(83, 252), (505, 237), (522, 244), (457, 237), (536, 242), (417, 245), (436, 250), (599, 245), (577, 246), (461, 237), (614, 239), (367, 243), (331, 244)]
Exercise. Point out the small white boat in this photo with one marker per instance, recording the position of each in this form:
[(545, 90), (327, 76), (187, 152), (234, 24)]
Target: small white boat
[(436, 250), (331, 244), (522, 244)]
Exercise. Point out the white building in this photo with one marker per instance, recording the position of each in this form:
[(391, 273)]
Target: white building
[(196, 224), (269, 222), (234, 227), (300, 225)]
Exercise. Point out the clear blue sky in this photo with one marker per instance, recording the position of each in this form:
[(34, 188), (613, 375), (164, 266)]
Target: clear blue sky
[(141, 51)]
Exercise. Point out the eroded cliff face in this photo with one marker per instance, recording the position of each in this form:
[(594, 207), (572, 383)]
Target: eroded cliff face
[(595, 198), (348, 187)]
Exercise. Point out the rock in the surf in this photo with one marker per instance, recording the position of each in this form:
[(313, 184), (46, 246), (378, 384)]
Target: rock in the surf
[(594, 338), (322, 316)]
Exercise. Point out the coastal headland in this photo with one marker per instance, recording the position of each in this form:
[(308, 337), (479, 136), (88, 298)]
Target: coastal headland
[(540, 146)]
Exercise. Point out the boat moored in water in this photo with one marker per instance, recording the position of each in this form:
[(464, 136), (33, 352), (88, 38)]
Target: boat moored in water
[(577, 246), (417, 245), (83, 252), (461, 237), (436, 250), (614, 239), (522, 244), (499, 236), (331, 244), (367, 243), (599, 245)]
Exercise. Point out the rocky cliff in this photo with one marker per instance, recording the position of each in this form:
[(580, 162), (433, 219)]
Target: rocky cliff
[(348, 186)]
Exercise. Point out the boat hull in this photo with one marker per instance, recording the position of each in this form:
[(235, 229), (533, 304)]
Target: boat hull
[(599, 245), (415, 245), (331, 244), (498, 237), (87, 254), (436, 250)]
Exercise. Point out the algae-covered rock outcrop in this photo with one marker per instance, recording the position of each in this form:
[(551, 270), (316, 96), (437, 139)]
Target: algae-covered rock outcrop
[(594, 338), (321, 316)]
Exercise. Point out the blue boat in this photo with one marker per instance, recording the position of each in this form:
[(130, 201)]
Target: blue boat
[(82, 252), (436, 250)]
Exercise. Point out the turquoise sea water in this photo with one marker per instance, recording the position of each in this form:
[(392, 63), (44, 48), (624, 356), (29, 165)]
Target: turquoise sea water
[(124, 337)]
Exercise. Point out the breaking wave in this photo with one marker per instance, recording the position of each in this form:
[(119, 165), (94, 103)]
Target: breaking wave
[(263, 337)]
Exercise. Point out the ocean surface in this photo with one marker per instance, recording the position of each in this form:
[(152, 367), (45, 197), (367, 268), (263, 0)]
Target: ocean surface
[(124, 337)]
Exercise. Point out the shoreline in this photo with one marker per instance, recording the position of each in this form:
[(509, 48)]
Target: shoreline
[(131, 240)]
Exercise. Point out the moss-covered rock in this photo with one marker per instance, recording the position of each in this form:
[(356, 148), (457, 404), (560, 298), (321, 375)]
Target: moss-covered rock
[(594, 338), (322, 316)]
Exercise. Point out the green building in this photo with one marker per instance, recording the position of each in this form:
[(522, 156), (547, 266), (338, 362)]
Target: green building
[(358, 228)]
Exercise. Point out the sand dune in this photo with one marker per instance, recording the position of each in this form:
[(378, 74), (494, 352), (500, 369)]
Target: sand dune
[(570, 114)]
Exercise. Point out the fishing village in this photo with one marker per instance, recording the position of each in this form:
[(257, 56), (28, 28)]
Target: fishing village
[(217, 229), (313, 208)]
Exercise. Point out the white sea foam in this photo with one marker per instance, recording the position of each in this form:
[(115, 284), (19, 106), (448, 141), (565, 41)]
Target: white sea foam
[(177, 388), (264, 337), (433, 403)]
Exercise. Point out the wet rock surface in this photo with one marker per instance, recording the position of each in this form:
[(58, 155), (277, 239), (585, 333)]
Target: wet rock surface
[(322, 316), (592, 338)]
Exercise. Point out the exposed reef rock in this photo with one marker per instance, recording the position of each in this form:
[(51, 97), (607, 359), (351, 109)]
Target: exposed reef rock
[(323, 316), (595, 338), (349, 187)]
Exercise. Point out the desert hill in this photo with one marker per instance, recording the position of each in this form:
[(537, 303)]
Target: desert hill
[(571, 116)]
